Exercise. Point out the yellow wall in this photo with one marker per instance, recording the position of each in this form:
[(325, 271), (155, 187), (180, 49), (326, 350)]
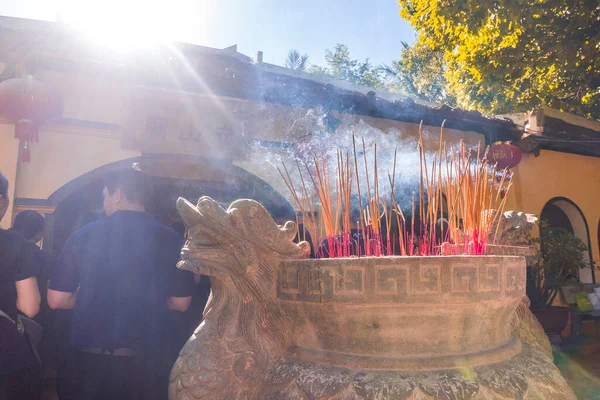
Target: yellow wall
[(553, 174), (9, 153), (64, 153)]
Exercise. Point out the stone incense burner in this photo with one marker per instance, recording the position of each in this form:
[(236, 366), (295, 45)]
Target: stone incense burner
[(279, 326)]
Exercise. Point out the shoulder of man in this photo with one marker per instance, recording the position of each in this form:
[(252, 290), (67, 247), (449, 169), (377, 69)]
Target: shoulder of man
[(15, 238), (83, 233), (12, 241), (169, 234), (25, 256)]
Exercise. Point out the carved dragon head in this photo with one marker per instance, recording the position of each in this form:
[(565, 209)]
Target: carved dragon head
[(240, 249)]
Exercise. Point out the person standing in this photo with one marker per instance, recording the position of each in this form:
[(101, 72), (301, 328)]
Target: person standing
[(30, 224), (119, 275), (20, 370)]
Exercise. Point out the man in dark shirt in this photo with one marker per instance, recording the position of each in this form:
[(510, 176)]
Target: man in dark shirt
[(20, 371), (119, 274)]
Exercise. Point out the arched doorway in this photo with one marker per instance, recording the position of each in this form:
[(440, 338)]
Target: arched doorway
[(562, 213), (80, 201)]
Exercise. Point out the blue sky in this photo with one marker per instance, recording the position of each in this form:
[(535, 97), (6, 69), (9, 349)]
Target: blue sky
[(371, 28)]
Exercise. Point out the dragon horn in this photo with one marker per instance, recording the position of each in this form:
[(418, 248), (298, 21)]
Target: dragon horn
[(190, 214)]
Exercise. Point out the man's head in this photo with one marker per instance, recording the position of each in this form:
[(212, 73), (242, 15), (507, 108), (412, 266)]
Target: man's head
[(4, 202), (30, 224), (126, 189)]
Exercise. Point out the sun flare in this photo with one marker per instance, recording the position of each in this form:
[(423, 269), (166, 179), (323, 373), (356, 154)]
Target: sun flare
[(120, 25)]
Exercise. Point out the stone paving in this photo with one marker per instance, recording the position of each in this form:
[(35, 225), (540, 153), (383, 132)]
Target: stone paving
[(578, 362)]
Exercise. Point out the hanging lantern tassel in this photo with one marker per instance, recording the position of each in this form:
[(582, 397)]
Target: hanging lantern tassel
[(28, 103), (27, 131), (25, 153)]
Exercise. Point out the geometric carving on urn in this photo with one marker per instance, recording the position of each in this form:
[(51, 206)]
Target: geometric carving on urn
[(489, 278), (400, 279), (278, 326), (343, 282), (515, 279), (464, 278), (290, 279), (428, 279), (391, 281)]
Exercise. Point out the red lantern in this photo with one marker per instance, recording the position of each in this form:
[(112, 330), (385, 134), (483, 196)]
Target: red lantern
[(28, 103), (504, 155)]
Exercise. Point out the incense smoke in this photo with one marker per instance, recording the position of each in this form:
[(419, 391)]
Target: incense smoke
[(313, 138), (329, 163)]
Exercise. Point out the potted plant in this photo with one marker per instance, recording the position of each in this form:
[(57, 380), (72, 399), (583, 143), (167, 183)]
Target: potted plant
[(560, 257)]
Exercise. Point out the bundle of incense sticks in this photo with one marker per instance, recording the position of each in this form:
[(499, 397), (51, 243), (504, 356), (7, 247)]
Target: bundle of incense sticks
[(461, 198)]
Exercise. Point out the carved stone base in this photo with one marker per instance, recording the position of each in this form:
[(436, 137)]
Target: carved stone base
[(529, 375)]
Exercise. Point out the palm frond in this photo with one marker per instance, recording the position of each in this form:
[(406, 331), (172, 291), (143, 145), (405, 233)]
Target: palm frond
[(295, 61)]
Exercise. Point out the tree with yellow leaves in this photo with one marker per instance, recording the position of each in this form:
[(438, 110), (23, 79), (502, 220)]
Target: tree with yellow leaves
[(504, 56)]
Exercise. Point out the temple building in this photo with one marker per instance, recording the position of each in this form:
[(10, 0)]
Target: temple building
[(205, 121)]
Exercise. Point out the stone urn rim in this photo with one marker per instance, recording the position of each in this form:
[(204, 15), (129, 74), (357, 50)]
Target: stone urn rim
[(400, 258)]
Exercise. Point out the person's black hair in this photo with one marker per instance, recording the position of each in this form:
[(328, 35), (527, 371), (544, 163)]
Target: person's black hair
[(28, 223), (3, 186), (134, 182)]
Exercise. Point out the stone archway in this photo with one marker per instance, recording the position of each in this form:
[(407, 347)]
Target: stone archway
[(79, 201), (563, 213)]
